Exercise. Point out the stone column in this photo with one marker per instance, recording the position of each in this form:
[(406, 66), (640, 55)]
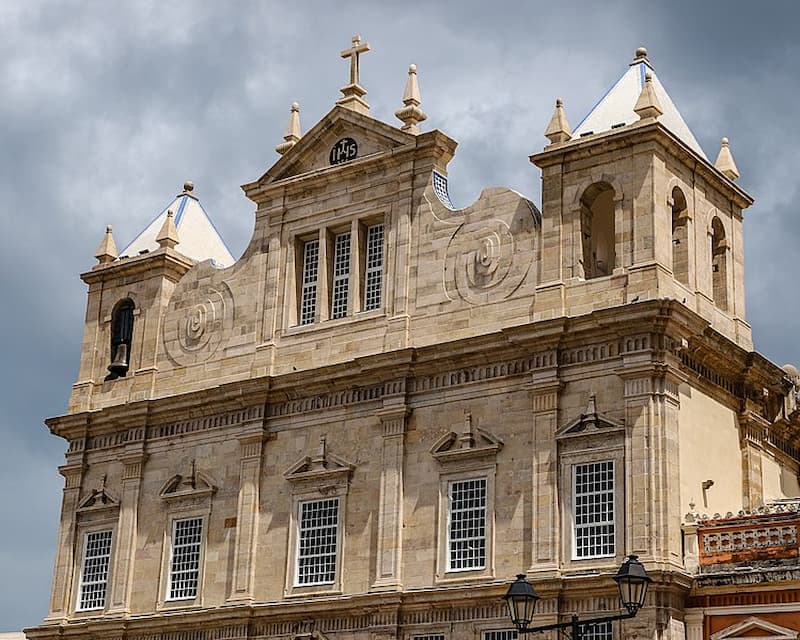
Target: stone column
[(250, 447), (65, 550), (390, 512), (545, 536), (694, 624), (126, 534), (751, 428)]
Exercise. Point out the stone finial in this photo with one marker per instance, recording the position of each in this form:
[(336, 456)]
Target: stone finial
[(558, 130), (725, 161), (168, 236), (292, 135), (467, 438), (648, 106), (353, 93), (410, 114), (107, 251), (640, 55), (320, 460)]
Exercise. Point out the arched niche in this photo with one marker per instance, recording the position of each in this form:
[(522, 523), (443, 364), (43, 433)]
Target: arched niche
[(680, 236), (598, 204), (719, 263)]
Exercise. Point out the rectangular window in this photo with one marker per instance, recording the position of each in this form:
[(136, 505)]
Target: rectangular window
[(308, 294), (184, 568), (597, 631), (467, 525), (317, 542), (593, 493), (94, 577), (429, 636), (341, 275), (503, 634), (373, 274)]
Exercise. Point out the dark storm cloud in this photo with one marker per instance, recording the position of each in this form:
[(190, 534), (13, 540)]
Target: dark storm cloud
[(107, 107)]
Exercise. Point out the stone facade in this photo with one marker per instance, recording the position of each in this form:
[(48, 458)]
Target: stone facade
[(509, 348)]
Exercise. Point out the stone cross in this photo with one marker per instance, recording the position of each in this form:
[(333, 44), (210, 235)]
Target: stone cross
[(353, 92), (353, 53)]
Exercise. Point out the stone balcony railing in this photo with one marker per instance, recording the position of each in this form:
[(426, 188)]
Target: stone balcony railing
[(768, 534)]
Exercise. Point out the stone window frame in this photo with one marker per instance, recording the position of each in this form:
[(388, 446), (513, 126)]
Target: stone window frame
[(495, 627), (358, 226), (99, 511), (321, 476), (184, 500)]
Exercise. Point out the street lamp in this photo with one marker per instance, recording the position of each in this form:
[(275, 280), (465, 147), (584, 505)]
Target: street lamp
[(631, 579)]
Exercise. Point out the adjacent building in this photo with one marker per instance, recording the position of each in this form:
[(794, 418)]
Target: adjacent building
[(387, 407)]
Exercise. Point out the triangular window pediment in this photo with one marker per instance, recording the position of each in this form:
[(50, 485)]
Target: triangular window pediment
[(756, 628), (341, 137), (98, 500), (472, 442), (322, 466), (590, 422), (195, 484)]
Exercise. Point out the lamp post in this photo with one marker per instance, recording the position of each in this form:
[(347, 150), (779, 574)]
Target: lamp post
[(632, 581)]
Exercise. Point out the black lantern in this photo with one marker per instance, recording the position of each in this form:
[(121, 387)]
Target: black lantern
[(632, 581), (521, 600)]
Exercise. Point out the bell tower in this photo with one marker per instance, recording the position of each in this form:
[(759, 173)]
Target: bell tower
[(632, 209)]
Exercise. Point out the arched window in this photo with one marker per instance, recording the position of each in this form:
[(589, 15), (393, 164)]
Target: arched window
[(680, 237), (597, 230), (719, 264), (121, 336)]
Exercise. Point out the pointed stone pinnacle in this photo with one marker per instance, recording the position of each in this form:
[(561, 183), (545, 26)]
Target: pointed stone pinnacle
[(558, 130), (410, 114), (168, 236), (107, 251), (648, 106), (725, 161), (292, 135)]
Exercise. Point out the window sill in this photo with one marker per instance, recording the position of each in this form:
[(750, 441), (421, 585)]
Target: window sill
[(361, 316)]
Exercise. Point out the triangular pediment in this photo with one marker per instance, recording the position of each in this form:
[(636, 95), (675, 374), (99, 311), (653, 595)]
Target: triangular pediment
[(590, 421), (313, 151), (98, 500), (472, 442), (754, 627), (194, 484), (322, 465)]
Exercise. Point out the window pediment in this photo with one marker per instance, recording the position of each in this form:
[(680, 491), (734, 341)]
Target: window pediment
[(756, 628), (590, 422), (472, 442), (98, 500), (323, 467), (193, 485)]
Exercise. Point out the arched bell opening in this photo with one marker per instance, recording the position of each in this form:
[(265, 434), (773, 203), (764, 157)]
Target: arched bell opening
[(598, 235), (680, 237), (121, 338), (719, 264)]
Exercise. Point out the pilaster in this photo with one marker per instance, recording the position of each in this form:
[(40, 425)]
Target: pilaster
[(250, 448), (65, 550), (124, 556), (390, 513)]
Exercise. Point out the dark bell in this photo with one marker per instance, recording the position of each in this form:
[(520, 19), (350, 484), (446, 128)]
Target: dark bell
[(119, 367)]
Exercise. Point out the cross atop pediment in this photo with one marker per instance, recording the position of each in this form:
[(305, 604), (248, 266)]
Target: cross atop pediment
[(353, 92)]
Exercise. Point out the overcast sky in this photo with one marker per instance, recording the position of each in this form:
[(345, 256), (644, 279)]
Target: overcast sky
[(107, 107)]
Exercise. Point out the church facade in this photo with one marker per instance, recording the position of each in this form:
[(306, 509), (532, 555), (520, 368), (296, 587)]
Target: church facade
[(387, 407)]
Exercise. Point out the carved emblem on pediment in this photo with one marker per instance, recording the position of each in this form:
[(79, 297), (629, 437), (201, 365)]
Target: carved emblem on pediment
[(472, 442), (590, 421), (98, 500), (323, 467), (194, 484)]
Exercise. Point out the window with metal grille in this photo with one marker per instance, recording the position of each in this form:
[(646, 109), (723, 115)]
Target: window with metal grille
[(94, 577), (184, 570), (341, 275), (429, 636), (317, 541), (308, 295), (593, 494), (501, 634), (373, 276), (467, 525), (597, 631)]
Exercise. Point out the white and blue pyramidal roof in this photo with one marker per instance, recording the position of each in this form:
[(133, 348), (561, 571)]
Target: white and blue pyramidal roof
[(615, 108), (198, 238)]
